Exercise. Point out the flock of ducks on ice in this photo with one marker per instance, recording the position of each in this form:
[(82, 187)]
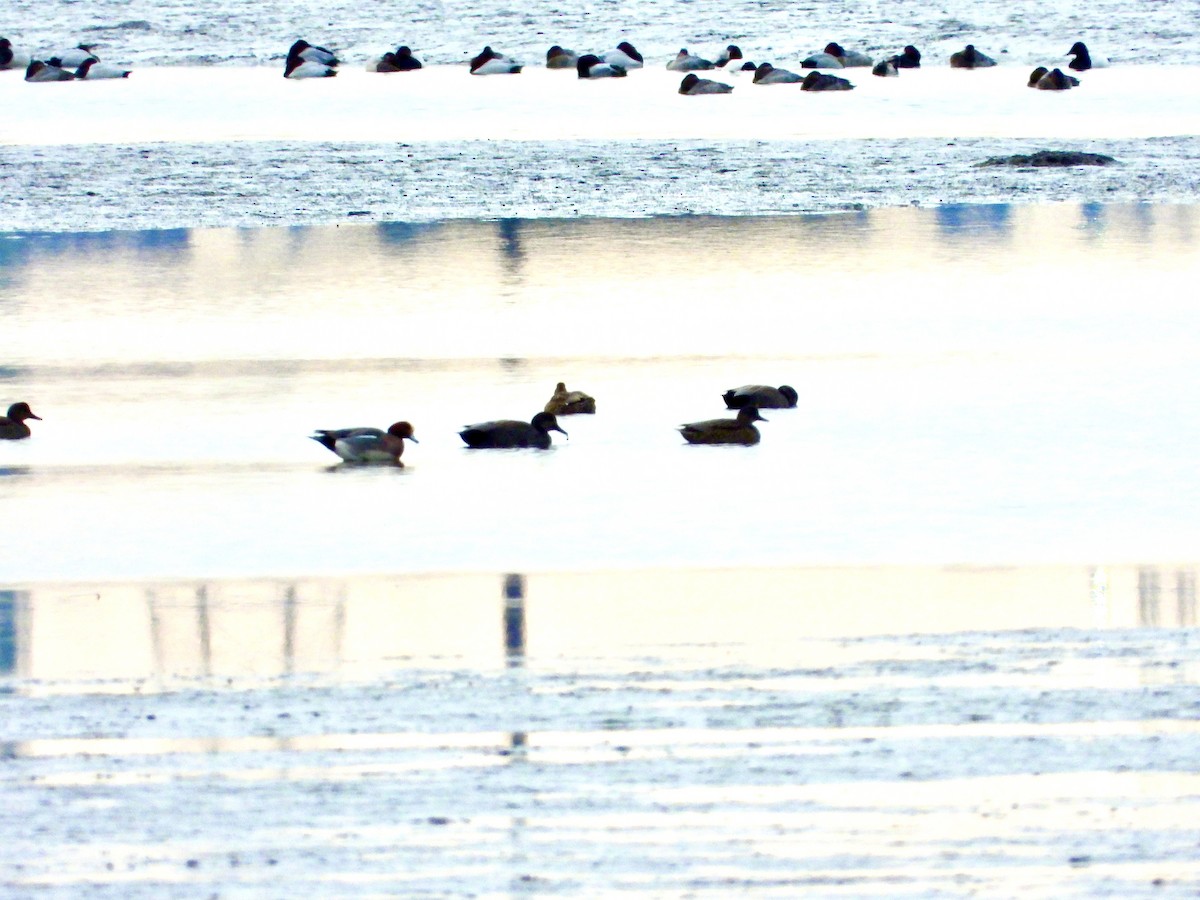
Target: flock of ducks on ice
[(374, 445), (305, 60)]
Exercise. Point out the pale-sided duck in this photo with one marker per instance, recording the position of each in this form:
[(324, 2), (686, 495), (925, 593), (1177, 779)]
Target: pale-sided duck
[(12, 426), (489, 62), (310, 53), (688, 62), (558, 58), (728, 55), (1083, 59), (73, 57), (823, 60), (693, 85), (885, 68), (768, 74), (366, 445), (569, 403), (93, 70), (819, 81), (761, 395), (625, 55), (970, 58), (591, 66), (725, 431), (848, 58), (508, 434)]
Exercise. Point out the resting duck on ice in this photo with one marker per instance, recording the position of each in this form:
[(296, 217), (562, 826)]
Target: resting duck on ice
[(725, 431), (509, 434), (688, 62), (625, 55), (694, 85), (489, 62), (970, 58), (591, 66), (1083, 59)]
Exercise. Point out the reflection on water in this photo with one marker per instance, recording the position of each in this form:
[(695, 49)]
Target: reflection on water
[(977, 385), (354, 627)]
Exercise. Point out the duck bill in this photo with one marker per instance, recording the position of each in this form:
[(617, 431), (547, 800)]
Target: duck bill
[(413, 439), (560, 431), (33, 416)]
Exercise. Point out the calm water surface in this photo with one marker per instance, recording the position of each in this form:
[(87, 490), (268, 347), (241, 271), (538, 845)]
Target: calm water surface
[(976, 384)]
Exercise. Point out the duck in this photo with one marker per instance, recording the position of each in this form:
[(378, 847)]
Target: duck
[(298, 67), (12, 426), (725, 431), (1047, 80), (823, 60), (558, 58), (11, 57), (909, 59), (591, 66), (367, 445), (93, 70), (625, 55), (761, 395), (970, 58), (73, 57), (768, 74), (848, 58), (507, 434), (885, 68), (489, 62), (569, 403), (728, 55), (401, 60), (1083, 59), (819, 81), (39, 72), (692, 85), (309, 53), (688, 62)]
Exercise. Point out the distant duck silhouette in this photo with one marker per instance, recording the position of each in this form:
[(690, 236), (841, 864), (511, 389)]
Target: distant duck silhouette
[(885, 68), (11, 57), (367, 445), (970, 58), (768, 74), (402, 60), (688, 62), (725, 431), (761, 395), (819, 81), (1083, 59), (12, 426), (558, 58), (591, 66), (909, 59), (39, 72), (625, 55), (693, 85), (569, 403), (729, 54), (73, 57), (508, 434), (489, 62), (92, 70), (1051, 80), (848, 58), (309, 53)]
